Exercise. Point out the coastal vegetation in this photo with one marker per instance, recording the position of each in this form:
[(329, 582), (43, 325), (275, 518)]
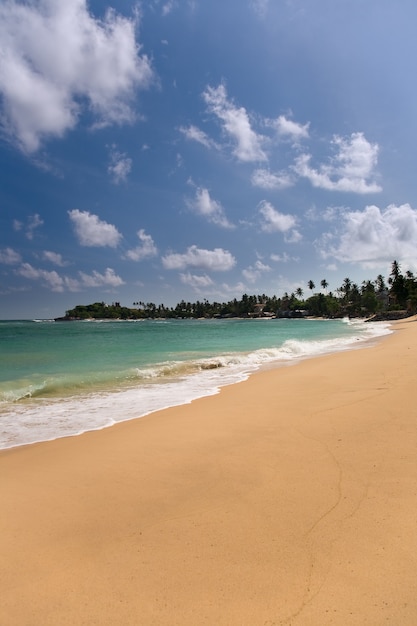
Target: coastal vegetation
[(396, 297)]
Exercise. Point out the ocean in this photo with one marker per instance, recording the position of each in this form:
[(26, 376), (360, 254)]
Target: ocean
[(60, 379)]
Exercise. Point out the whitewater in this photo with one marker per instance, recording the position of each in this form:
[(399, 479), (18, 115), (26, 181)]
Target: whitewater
[(60, 379)]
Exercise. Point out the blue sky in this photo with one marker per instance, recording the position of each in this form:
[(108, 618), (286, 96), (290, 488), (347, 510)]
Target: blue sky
[(190, 149)]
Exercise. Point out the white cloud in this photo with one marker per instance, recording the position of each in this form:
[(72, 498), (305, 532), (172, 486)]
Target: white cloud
[(56, 59), (59, 283), (351, 169), (145, 250), (91, 231), (193, 133), (253, 272), (273, 220), (196, 282), (226, 291), (236, 124), (290, 129), (294, 236), (8, 256), (53, 257), (217, 260), (49, 279), (374, 236), (328, 214), (209, 208), (72, 284), (108, 279), (119, 167), (268, 180)]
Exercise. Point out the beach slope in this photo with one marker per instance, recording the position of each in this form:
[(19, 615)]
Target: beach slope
[(287, 499)]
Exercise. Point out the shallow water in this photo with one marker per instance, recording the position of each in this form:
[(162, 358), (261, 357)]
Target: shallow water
[(64, 378)]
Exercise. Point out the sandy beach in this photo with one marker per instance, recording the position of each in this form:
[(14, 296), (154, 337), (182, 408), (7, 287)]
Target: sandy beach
[(290, 498)]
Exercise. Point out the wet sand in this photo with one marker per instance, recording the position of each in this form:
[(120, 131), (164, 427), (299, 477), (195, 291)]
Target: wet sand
[(290, 498)]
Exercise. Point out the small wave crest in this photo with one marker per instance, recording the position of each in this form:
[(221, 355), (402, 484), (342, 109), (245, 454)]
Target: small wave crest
[(58, 406), (61, 385), (21, 391)]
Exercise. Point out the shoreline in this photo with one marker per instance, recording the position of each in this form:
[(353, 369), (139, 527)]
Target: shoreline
[(29, 423), (288, 498)]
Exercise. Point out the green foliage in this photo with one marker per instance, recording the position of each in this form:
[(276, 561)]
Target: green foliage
[(351, 300), (100, 310)]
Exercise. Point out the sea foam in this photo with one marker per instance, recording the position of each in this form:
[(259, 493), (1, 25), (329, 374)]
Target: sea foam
[(146, 390)]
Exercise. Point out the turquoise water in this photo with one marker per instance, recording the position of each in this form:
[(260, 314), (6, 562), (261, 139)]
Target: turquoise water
[(59, 379)]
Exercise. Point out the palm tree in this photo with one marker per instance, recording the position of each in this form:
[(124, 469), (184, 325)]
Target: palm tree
[(299, 292), (367, 286), (311, 285), (346, 287), (395, 270), (399, 291), (380, 283), (324, 284)]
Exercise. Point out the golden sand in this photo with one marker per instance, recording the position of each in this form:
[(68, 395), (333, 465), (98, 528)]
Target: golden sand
[(287, 499)]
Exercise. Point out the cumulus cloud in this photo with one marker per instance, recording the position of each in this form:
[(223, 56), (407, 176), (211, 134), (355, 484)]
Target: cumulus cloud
[(50, 279), (8, 256), (53, 257), (236, 123), (286, 128), (266, 179), (217, 260), (351, 169), (294, 236), (146, 249), (253, 272), (209, 208), (374, 236), (119, 167), (58, 58), (55, 282), (92, 231), (108, 279), (196, 282), (273, 220)]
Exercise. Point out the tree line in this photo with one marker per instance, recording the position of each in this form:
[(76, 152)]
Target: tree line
[(397, 294)]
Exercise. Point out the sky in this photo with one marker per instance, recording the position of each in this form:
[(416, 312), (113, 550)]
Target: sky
[(171, 150)]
